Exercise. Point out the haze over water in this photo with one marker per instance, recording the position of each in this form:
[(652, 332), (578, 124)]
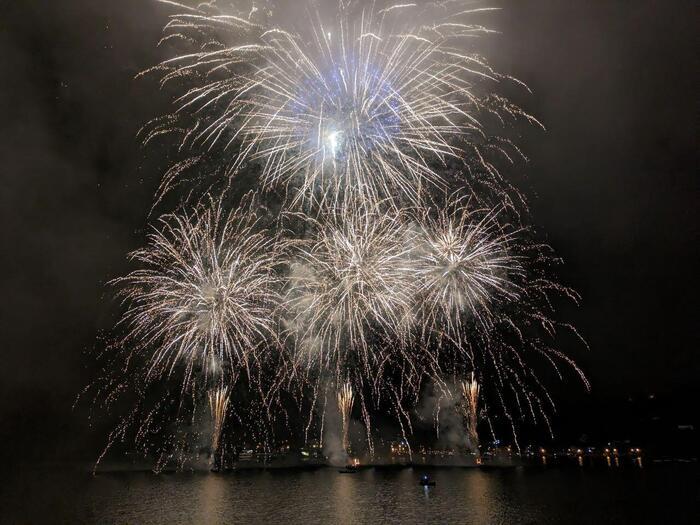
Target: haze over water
[(530, 495)]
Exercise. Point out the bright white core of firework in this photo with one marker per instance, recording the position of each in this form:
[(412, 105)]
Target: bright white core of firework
[(334, 141)]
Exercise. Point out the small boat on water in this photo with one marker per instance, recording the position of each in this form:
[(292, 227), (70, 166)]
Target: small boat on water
[(349, 469), (426, 481)]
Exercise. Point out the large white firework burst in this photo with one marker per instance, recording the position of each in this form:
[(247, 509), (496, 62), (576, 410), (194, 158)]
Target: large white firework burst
[(376, 98)]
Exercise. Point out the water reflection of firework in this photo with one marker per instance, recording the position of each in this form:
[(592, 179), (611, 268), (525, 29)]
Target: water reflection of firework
[(218, 404), (346, 399)]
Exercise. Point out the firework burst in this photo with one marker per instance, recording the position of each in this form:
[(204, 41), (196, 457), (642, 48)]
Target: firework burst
[(218, 404), (487, 302), (374, 100), (356, 115), (464, 265), (198, 310), (349, 301), (204, 295), (511, 345), (350, 287)]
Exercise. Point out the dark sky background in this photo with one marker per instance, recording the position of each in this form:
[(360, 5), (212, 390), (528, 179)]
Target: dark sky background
[(613, 184)]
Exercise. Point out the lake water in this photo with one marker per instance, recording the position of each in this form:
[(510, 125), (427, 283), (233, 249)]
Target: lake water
[(665, 494)]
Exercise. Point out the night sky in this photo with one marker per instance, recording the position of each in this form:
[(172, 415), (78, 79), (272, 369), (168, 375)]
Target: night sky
[(612, 184)]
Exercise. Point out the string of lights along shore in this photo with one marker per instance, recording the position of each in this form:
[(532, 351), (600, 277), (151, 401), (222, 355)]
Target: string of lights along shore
[(336, 238)]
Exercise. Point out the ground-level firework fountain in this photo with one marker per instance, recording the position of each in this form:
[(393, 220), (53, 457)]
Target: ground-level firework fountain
[(470, 411), (346, 398), (218, 404)]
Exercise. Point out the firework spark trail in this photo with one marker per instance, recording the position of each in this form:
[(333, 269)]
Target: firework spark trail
[(218, 404), (470, 410), (373, 100), (346, 399)]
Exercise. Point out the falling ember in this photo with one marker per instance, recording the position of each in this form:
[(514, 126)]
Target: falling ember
[(470, 409), (346, 398), (218, 404)]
